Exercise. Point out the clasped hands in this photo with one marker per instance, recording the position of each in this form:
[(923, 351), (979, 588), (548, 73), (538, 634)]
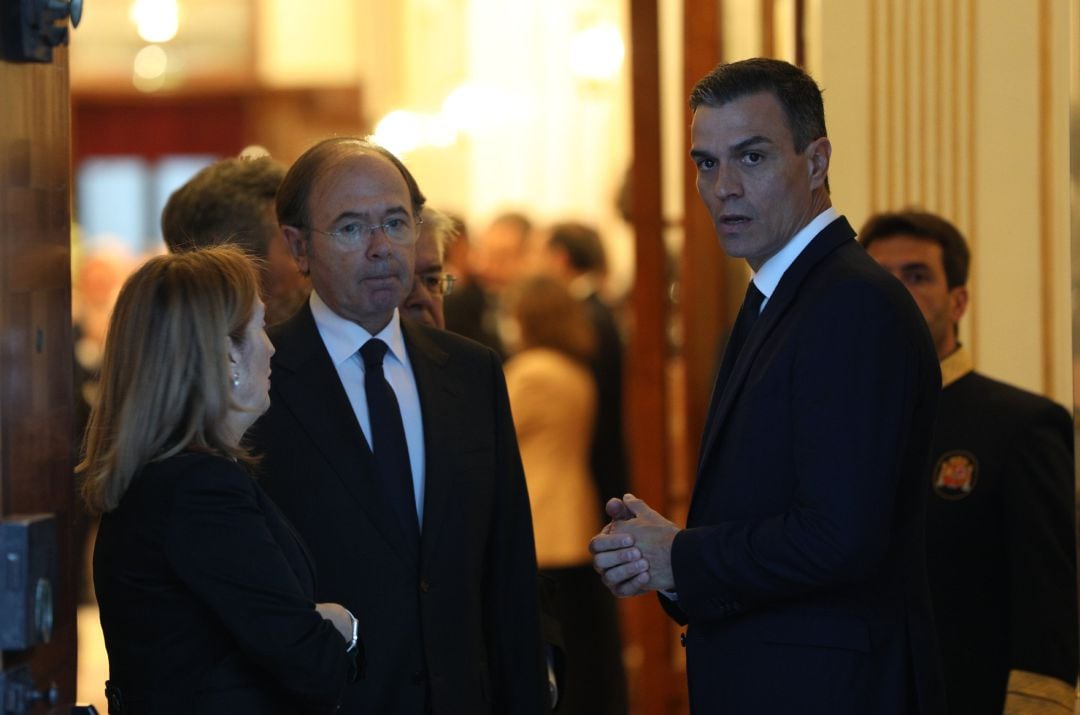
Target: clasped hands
[(632, 553)]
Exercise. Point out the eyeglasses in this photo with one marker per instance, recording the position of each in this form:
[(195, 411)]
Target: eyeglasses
[(399, 229), (437, 284)]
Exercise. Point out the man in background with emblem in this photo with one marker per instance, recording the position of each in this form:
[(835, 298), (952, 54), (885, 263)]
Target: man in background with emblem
[(1000, 517)]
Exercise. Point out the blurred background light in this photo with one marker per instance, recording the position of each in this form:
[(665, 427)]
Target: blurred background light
[(156, 20), (596, 52)]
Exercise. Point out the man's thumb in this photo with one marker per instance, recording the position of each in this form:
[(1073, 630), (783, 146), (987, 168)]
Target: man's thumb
[(635, 505)]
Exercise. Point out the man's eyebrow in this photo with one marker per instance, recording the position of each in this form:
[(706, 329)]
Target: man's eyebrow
[(734, 149), (747, 143), (366, 215), (914, 264)]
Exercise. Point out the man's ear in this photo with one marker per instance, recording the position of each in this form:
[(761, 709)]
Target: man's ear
[(299, 247), (818, 153), (958, 303)]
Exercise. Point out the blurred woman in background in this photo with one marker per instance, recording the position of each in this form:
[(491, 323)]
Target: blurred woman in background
[(205, 591), (553, 400)]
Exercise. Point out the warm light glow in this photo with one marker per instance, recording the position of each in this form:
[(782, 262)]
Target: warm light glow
[(596, 53), (403, 131), (148, 70), (468, 108), (474, 109), (438, 132), (151, 62), (156, 20), (399, 131)]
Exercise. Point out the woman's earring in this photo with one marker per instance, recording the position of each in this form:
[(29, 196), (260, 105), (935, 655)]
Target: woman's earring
[(235, 379)]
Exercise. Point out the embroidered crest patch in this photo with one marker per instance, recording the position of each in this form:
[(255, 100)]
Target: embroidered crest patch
[(955, 475)]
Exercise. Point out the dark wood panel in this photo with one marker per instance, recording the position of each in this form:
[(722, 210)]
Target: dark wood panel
[(654, 680), (708, 298), (36, 453)]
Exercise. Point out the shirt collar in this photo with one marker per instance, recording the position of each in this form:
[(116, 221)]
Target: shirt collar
[(768, 276), (343, 338), (957, 364)]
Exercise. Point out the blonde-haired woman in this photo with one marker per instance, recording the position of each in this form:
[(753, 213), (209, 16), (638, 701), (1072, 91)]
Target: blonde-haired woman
[(553, 400), (205, 591)]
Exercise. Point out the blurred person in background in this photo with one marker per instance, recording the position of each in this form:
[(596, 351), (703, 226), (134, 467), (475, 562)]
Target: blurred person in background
[(574, 254), (498, 260), (1000, 531), (458, 252), (554, 401), (232, 201), (205, 591)]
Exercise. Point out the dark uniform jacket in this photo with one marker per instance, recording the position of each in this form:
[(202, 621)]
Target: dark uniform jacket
[(1000, 534)]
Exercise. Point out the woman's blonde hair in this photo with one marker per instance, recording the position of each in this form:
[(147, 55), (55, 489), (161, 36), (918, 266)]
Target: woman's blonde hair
[(165, 376), (549, 317)]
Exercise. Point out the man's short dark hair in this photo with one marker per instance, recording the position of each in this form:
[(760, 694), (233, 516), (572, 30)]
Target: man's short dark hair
[(295, 190), (230, 201), (926, 226), (798, 94), (582, 245)]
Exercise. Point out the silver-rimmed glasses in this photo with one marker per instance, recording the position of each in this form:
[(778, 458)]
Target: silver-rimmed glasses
[(438, 283), (402, 229)]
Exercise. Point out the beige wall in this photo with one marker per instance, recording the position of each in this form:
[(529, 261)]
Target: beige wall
[(961, 106)]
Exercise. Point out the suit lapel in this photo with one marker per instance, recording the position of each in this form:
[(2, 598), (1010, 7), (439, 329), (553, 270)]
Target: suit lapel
[(438, 392), (733, 373), (306, 383)]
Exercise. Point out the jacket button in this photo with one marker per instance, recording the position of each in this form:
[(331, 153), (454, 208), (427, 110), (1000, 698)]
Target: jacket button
[(424, 585), (682, 639)]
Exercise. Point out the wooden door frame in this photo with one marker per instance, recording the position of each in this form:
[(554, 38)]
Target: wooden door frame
[(36, 359)]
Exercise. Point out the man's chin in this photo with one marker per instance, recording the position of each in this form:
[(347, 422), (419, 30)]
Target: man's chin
[(420, 316)]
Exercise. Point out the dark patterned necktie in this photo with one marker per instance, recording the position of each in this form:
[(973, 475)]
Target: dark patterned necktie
[(744, 321), (388, 444)]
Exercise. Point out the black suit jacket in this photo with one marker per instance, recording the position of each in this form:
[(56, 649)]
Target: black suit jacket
[(607, 453), (801, 572), (456, 624), (206, 598)]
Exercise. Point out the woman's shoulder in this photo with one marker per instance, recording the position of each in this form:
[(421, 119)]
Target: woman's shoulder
[(548, 371), (546, 362), (190, 469)]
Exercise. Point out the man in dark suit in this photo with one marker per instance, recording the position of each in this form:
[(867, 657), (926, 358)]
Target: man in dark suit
[(801, 573), (404, 478), (1000, 524)]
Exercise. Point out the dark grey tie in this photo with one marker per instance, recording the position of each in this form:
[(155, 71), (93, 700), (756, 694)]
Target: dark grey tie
[(392, 468), (744, 321)]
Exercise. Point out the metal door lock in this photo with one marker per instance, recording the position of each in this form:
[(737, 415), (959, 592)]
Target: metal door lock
[(17, 693), (30, 29), (28, 568)]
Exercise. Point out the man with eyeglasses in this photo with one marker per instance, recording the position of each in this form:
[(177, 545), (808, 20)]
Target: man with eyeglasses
[(424, 304), (390, 446)]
